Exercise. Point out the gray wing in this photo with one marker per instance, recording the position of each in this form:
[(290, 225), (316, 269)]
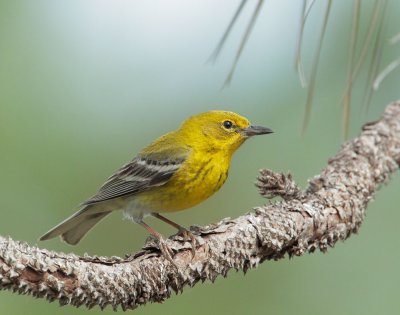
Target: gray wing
[(138, 175)]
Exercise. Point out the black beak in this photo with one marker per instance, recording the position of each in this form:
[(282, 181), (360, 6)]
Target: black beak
[(255, 131)]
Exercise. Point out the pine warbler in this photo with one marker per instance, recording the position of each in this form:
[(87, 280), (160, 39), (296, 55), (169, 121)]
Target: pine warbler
[(175, 172)]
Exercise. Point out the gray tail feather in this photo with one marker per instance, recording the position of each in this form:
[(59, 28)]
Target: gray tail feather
[(74, 228), (75, 234)]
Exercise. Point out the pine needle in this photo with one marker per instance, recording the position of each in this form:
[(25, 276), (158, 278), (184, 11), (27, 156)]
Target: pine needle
[(311, 88), (346, 100), (306, 9), (385, 72), (395, 39), (243, 41), (367, 42), (376, 58), (228, 30), (298, 63), (389, 68)]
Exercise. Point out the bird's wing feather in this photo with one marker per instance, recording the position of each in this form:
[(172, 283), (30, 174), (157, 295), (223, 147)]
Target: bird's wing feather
[(140, 174)]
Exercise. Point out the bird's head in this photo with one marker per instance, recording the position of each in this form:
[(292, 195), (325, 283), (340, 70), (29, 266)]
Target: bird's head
[(220, 130)]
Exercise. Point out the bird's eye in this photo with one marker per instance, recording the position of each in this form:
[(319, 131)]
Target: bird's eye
[(227, 124)]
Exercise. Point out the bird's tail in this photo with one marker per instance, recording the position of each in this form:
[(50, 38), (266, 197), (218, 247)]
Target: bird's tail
[(74, 228)]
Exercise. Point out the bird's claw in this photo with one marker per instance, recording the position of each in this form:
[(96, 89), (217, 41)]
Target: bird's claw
[(187, 235), (165, 250)]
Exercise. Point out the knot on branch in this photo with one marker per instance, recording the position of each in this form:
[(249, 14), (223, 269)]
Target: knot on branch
[(271, 184)]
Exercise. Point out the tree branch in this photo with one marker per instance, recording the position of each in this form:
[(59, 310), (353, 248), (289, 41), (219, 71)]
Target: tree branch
[(330, 209)]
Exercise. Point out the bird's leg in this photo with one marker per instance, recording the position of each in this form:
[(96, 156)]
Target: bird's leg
[(165, 250), (185, 232)]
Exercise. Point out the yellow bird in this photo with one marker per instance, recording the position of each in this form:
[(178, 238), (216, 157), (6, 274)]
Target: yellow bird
[(175, 172)]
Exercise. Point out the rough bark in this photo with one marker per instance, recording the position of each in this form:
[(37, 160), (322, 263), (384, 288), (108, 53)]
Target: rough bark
[(330, 209)]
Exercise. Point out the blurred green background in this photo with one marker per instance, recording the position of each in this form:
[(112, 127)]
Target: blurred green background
[(84, 85)]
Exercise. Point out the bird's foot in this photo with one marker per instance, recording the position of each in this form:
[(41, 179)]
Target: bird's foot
[(158, 242), (166, 250), (187, 235)]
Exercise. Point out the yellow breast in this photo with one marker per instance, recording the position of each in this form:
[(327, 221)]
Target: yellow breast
[(197, 179)]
